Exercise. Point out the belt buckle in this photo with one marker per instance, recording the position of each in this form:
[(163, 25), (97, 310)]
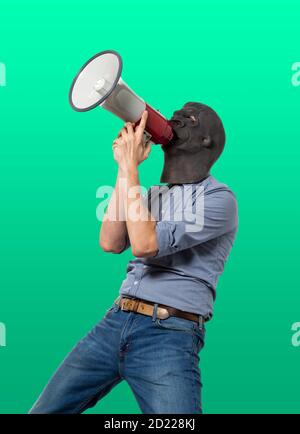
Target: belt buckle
[(130, 305), (123, 305)]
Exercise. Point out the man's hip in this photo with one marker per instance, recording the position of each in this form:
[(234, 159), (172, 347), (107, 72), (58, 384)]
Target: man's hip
[(157, 357)]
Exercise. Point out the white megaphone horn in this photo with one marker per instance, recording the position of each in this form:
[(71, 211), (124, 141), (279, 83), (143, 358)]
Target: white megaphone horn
[(99, 83)]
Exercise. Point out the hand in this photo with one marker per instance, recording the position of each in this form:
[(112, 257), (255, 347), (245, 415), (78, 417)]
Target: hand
[(129, 149)]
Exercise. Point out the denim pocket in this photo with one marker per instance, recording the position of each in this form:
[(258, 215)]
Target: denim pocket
[(111, 309), (199, 336), (175, 323)]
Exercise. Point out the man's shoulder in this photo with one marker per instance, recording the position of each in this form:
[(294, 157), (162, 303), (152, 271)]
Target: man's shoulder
[(214, 186), (220, 197)]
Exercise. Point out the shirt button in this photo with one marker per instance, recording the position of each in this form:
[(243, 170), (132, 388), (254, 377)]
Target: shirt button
[(135, 282)]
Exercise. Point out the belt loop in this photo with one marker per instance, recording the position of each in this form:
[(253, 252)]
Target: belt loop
[(200, 321), (154, 315)]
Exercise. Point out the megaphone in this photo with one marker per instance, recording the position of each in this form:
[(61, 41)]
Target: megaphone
[(99, 83)]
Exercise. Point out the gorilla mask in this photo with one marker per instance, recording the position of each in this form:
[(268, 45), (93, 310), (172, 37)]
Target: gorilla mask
[(198, 141)]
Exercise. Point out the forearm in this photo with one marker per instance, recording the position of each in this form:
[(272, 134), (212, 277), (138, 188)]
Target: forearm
[(129, 151), (113, 230), (141, 225)]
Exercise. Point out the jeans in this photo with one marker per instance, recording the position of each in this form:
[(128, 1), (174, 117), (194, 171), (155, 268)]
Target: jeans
[(159, 359)]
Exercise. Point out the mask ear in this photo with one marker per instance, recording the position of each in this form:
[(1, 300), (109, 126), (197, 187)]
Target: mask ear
[(206, 141)]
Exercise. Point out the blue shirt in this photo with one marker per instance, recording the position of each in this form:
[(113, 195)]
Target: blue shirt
[(196, 228)]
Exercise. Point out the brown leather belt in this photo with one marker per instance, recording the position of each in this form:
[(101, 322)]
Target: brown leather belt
[(147, 307)]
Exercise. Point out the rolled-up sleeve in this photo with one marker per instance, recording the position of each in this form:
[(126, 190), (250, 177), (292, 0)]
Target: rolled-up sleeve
[(219, 217)]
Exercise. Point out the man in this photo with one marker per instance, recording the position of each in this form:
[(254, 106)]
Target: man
[(152, 334)]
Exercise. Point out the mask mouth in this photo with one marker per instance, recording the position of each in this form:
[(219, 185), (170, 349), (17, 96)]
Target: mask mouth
[(181, 135), (177, 123)]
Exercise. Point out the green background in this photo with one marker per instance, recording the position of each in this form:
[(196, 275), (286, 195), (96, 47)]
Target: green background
[(56, 283)]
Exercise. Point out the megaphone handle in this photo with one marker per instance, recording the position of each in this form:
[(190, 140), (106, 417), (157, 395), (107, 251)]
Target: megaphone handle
[(146, 137)]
